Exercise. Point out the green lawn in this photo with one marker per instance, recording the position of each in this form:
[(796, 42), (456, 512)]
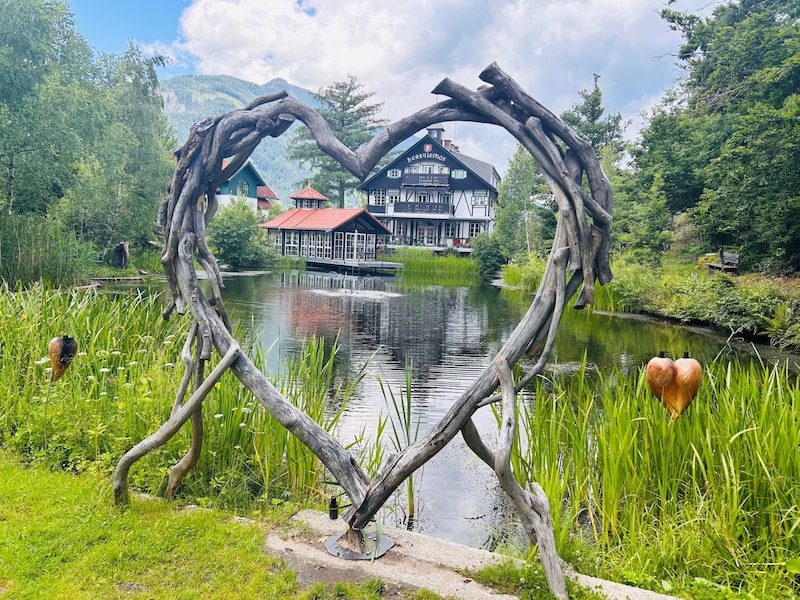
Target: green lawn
[(62, 537)]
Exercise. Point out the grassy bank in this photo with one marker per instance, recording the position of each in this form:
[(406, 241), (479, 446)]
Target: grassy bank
[(752, 306), (121, 387), (62, 538)]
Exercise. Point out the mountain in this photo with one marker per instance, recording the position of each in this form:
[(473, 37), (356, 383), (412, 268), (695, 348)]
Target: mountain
[(189, 98)]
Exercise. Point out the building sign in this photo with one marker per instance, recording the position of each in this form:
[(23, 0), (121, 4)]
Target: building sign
[(426, 156)]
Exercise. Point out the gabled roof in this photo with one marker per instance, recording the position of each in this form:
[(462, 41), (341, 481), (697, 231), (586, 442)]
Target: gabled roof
[(264, 191), (246, 166), (482, 170), (307, 193), (323, 219)]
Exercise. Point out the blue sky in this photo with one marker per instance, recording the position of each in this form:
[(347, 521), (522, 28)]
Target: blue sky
[(108, 25), (400, 49)]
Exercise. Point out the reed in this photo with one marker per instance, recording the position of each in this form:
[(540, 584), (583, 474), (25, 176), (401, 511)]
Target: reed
[(424, 262), (712, 496), (405, 430), (36, 248)]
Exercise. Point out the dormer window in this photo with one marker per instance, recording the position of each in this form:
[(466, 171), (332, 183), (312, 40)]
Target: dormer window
[(242, 188), (458, 174), (394, 173)]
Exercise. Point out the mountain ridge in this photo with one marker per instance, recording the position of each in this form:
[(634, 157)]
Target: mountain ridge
[(189, 98)]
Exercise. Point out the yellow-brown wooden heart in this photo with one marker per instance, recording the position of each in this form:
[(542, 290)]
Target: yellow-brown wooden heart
[(660, 373)]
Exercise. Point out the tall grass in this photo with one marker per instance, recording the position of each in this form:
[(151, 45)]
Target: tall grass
[(36, 248), (405, 430), (713, 496), (452, 267), (121, 387)]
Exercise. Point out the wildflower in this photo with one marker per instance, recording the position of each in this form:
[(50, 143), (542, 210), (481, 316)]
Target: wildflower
[(115, 353), (169, 365), (81, 353), (104, 393), (43, 361), (218, 416), (133, 362), (91, 378), (120, 368), (105, 370)]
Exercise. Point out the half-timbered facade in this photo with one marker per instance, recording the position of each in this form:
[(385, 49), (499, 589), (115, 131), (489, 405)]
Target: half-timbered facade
[(345, 237), (434, 196)]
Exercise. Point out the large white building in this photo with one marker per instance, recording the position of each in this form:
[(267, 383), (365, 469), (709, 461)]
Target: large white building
[(433, 196)]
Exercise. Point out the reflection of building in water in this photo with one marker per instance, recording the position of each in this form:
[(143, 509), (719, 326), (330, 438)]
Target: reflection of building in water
[(427, 327), (435, 330)]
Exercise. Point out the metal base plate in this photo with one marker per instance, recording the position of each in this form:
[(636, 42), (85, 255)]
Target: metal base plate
[(374, 547)]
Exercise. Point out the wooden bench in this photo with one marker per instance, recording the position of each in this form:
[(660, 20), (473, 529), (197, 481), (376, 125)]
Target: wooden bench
[(728, 262)]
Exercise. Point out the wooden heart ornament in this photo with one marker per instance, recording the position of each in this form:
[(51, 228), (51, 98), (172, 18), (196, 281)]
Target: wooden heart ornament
[(674, 383), (61, 350)]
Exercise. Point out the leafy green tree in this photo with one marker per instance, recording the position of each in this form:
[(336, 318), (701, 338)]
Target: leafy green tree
[(122, 174), (237, 239), (522, 224), (720, 146), (44, 66), (354, 120), (486, 249)]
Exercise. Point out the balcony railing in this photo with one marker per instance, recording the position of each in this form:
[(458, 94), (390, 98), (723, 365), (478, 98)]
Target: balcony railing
[(431, 208), (426, 241)]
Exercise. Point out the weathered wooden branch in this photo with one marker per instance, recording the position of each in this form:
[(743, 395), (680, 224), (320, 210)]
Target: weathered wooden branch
[(581, 246)]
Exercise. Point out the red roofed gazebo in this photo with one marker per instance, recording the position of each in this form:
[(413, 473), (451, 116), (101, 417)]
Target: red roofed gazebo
[(347, 237)]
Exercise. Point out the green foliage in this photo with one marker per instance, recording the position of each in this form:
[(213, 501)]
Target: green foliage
[(444, 268), (521, 225), (353, 120), (751, 307), (724, 146), (237, 239), (715, 299), (82, 137), (527, 274), (488, 251), (527, 582), (121, 387), (36, 248)]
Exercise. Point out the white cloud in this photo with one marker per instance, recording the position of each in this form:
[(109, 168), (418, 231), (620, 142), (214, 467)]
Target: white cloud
[(401, 49)]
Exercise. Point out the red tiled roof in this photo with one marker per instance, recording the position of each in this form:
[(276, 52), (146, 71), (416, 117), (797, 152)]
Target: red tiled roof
[(326, 219), (264, 191), (307, 193)]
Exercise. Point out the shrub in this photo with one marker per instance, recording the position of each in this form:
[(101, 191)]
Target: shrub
[(236, 238), (488, 252)]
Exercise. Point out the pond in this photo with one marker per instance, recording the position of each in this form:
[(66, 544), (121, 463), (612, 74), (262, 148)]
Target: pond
[(446, 336)]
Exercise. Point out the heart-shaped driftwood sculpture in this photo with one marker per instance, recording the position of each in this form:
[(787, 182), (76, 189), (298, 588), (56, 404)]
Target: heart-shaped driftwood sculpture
[(579, 256), (674, 383)]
